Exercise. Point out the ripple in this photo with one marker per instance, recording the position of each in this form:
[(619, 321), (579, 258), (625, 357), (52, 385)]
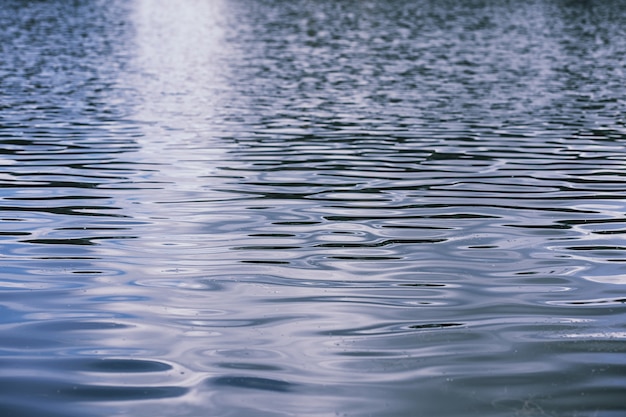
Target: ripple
[(127, 365), (255, 383), (67, 391)]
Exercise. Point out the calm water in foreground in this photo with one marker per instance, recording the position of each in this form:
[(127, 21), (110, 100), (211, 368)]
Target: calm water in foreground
[(272, 208)]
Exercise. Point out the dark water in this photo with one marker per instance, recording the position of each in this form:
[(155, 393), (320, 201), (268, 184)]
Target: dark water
[(312, 208)]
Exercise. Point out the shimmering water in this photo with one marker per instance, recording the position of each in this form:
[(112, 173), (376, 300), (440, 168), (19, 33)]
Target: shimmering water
[(312, 208)]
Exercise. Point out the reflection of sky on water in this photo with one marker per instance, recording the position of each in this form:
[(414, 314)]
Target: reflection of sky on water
[(180, 63), (179, 77)]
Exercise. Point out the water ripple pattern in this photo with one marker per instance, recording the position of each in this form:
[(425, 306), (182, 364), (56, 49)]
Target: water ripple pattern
[(270, 208)]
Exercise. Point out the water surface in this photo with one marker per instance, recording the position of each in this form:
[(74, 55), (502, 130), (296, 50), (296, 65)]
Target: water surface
[(268, 208)]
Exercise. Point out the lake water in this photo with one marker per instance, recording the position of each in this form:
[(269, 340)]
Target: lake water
[(312, 208)]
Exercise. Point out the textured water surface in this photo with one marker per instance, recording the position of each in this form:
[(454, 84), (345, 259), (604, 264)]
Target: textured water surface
[(272, 208)]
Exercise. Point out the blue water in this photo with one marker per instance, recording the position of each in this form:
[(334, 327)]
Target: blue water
[(312, 208)]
